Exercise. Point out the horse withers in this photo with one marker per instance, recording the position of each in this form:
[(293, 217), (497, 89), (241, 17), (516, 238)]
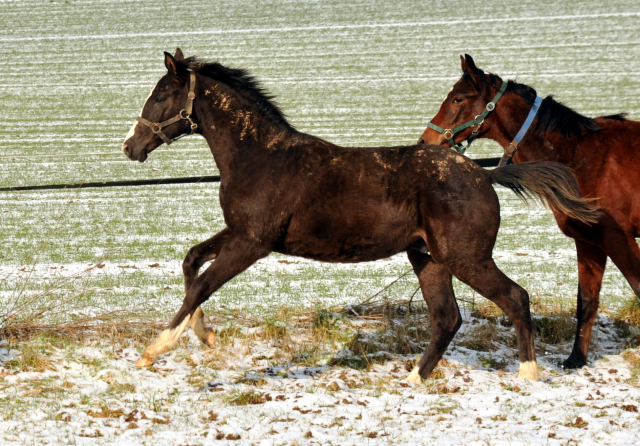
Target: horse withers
[(604, 154), (286, 191)]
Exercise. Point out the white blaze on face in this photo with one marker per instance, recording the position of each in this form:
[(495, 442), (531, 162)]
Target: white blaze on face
[(132, 130)]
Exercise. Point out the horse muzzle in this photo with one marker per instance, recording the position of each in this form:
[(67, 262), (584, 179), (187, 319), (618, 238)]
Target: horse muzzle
[(139, 156)]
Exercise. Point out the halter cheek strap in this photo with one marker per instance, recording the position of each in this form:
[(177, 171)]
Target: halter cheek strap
[(513, 145), (476, 122), (185, 113)]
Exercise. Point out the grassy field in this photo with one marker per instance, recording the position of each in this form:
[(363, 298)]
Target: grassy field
[(75, 74), (288, 368)]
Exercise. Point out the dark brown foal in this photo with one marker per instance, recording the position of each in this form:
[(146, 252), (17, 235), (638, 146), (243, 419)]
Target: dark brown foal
[(285, 191)]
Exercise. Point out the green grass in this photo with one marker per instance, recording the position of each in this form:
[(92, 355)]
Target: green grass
[(357, 73)]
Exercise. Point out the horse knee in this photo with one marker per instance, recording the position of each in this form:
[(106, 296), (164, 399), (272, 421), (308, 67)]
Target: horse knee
[(190, 261)]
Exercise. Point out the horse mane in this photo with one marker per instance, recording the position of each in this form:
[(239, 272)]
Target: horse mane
[(553, 116), (241, 81)]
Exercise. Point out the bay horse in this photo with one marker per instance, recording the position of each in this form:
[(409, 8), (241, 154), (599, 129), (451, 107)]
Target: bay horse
[(603, 152), (285, 191)]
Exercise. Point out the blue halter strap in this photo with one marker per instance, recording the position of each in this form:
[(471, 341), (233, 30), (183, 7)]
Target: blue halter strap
[(513, 145)]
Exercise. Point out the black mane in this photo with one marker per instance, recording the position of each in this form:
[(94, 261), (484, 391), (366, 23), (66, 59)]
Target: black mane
[(241, 81), (553, 116)]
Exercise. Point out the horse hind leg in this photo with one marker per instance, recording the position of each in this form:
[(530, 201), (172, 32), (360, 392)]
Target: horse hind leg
[(485, 277), (437, 291), (591, 264)]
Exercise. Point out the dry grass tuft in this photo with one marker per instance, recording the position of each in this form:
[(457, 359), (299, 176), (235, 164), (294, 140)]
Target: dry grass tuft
[(245, 397), (630, 313), (482, 338), (554, 329), (32, 359), (488, 311), (627, 323), (401, 327)]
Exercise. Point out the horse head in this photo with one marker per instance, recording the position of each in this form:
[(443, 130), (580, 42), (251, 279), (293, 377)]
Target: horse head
[(166, 114), (470, 102)]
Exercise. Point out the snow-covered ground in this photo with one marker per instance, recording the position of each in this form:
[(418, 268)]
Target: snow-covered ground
[(358, 73), (241, 393)]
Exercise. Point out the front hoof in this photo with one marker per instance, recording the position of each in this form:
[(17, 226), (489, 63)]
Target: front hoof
[(574, 362), (210, 341), (144, 362), (414, 376)]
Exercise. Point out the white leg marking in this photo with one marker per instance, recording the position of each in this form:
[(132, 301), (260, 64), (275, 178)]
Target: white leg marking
[(204, 333), (414, 376), (164, 343), (528, 370)]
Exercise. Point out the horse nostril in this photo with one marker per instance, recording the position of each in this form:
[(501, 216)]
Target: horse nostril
[(420, 141), (125, 148)]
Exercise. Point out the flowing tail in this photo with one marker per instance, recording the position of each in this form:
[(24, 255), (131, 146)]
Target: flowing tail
[(553, 183)]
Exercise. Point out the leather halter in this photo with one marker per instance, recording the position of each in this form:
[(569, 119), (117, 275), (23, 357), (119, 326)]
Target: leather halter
[(185, 113), (513, 145), (475, 122)]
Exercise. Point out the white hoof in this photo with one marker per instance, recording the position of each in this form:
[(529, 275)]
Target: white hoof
[(414, 376), (528, 370)]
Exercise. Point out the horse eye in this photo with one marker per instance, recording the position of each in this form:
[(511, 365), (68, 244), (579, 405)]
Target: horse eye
[(457, 100), (160, 100)]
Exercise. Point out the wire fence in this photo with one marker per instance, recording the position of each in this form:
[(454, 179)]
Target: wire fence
[(483, 162)]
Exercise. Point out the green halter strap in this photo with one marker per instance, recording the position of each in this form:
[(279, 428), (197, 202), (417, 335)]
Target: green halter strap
[(476, 122)]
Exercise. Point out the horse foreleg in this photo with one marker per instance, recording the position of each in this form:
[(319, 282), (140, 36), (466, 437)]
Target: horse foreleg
[(437, 291), (201, 253), (591, 264), (196, 257), (236, 255)]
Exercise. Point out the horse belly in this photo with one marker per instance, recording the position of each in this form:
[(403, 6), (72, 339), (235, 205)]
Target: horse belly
[(347, 238)]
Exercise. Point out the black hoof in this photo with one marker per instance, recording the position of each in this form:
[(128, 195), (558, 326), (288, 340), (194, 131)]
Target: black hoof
[(574, 362)]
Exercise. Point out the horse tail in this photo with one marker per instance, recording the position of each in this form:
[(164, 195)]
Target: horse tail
[(554, 184)]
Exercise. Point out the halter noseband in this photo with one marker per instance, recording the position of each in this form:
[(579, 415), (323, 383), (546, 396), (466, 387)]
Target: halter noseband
[(475, 122), (185, 113)]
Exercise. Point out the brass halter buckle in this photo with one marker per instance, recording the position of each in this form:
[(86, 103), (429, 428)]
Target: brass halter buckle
[(184, 114)]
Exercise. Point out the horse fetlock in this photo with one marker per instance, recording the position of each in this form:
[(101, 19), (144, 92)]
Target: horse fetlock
[(144, 362), (414, 376), (575, 361), (211, 339), (528, 370), (165, 342)]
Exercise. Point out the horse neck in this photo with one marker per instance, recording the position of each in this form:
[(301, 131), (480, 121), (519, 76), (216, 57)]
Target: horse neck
[(235, 129), (535, 146)]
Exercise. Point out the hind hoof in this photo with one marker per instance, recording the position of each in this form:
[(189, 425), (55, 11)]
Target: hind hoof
[(528, 370), (414, 376), (144, 362), (574, 362)]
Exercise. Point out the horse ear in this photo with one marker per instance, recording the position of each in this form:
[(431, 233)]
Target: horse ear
[(469, 66), (172, 65), (179, 55)]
